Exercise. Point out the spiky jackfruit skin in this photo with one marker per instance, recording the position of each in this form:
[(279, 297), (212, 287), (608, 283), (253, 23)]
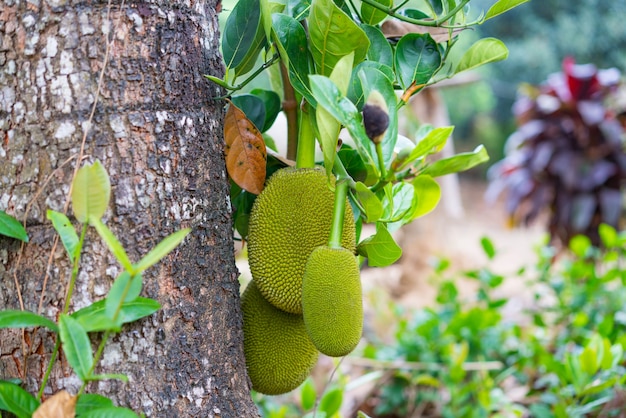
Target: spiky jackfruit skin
[(279, 353), (332, 302), (289, 219)]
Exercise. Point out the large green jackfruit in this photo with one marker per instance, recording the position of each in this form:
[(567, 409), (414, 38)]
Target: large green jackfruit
[(332, 302), (289, 219), (279, 353)]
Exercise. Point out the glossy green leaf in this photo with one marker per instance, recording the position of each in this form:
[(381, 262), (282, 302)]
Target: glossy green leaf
[(76, 346), (249, 60), (380, 51), (273, 106), (502, 6), (457, 163), (10, 227), (328, 96), (16, 400), (93, 318), (482, 52), (308, 395), (380, 249), (90, 401), (113, 244), (110, 412), (373, 79), (427, 196), (292, 43), (373, 16), (268, 9), (126, 288), (327, 125), (331, 401), (399, 200), (355, 90), (162, 249), (66, 232), (333, 34), (417, 59), (240, 32), (369, 202), (356, 167), (253, 107), (432, 143), (298, 9), (25, 319), (91, 191)]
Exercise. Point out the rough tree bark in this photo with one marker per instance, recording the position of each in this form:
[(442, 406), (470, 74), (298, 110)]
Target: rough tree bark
[(158, 134)]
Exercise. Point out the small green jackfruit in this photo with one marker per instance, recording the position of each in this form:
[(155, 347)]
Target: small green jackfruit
[(332, 302), (289, 219), (279, 353)]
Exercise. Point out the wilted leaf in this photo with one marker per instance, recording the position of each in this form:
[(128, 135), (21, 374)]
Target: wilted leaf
[(245, 151), (60, 405)]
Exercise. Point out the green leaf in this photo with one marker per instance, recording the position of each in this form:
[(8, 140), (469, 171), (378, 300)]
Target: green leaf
[(126, 288), (432, 143), (66, 232), (308, 395), (459, 162), (90, 401), (25, 319), (16, 400), (380, 51), (380, 249), (114, 245), (371, 15), (417, 59), (355, 90), (110, 412), (608, 235), (93, 318), (589, 360), (162, 249), (399, 201), (488, 248), (483, 52), (76, 346), (240, 32), (331, 402), (580, 245), (362, 414), (372, 206), (292, 44), (327, 125), (355, 166), (272, 103), (10, 227), (427, 196), (333, 34), (91, 191), (108, 376), (219, 82), (502, 6), (328, 96)]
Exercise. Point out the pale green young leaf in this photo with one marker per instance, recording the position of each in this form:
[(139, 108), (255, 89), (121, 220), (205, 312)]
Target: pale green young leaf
[(66, 232), (459, 162), (331, 401), (380, 249), (91, 192), (502, 6), (16, 400), (398, 202), (369, 202), (482, 52), (362, 414), (125, 288), (93, 318), (162, 249), (25, 319), (113, 244), (427, 196), (308, 395), (432, 143), (76, 346), (333, 34), (10, 227)]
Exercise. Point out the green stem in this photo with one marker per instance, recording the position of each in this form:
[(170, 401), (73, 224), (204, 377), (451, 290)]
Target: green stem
[(342, 174), (381, 160), (76, 261), (251, 77), (46, 376), (306, 140), (96, 359), (339, 212), (421, 22)]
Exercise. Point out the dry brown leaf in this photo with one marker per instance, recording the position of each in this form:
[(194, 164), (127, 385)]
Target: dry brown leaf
[(397, 29), (245, 151), (60, 405)]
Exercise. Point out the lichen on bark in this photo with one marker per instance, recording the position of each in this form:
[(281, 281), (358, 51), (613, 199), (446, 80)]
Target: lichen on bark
[(158, 132)]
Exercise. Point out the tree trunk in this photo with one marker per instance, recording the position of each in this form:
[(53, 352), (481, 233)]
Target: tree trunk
[(159, 135)]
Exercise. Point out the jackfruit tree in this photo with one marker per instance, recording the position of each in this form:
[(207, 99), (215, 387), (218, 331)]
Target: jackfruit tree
[(341, 74)]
